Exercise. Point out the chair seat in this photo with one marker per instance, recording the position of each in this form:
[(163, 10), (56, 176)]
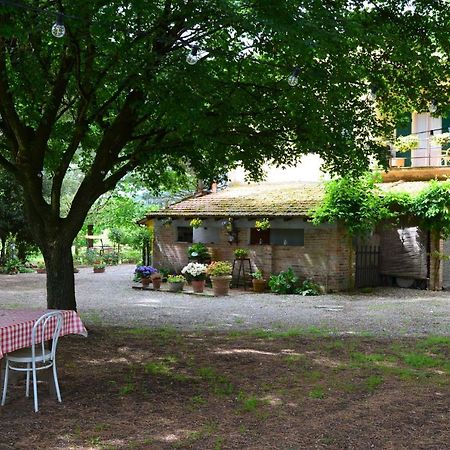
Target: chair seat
[(24, 355)]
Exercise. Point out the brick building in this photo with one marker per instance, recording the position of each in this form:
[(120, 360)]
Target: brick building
[(321, 253), (324, 253)]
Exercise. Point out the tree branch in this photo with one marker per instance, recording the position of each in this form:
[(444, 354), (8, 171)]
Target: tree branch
[(8, 109)]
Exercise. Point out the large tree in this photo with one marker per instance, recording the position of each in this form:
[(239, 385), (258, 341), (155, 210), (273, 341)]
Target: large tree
[(115, 93)]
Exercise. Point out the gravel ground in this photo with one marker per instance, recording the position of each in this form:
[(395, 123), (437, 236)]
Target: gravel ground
[(108, 299)]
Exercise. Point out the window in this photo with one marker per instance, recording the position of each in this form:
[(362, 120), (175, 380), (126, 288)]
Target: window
[(278, 236), (292, 237), (259, 237), (184, 234)]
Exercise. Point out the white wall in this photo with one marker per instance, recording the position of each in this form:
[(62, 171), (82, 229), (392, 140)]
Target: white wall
[(307, 170)]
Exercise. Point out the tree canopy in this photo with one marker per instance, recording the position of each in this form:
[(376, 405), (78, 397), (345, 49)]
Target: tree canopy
[(115, 93)]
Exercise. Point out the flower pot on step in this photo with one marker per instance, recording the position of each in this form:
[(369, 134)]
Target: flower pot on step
[(259, 285), (156, 283), (198, 286), (176, 286), (221, 285)]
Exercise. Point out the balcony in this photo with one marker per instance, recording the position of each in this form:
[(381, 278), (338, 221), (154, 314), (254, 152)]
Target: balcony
[(421, 164)]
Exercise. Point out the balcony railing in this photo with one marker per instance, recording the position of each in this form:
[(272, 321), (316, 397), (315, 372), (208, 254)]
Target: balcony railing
[(421, 158)]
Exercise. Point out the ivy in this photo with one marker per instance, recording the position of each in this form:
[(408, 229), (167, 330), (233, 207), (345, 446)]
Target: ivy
[(432, 208), (359, 205), (356, 203)]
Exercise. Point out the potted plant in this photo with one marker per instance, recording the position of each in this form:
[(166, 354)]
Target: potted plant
[(144, 274), (258, 281), (196, 274), (241, 253), (199, 253), (196, 223), (40, 267), (99, 267), (406, 143), (175, 282), (262, 224), (220, 273), (156, 280)]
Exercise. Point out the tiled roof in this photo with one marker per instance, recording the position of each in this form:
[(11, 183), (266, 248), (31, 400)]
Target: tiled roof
[(252, 200), (410, 187)]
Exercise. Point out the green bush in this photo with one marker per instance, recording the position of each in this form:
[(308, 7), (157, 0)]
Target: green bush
[(284, 283), (309, 288), (110, 258), (289, 283), (198, 252)]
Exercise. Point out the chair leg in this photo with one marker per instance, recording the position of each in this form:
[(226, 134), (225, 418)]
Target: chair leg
[(55, 378), (27, 389), (35, 394), (5, 383)]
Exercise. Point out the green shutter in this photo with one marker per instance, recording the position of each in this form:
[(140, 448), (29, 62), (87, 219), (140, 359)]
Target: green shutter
[(446, 129), (404, 129)]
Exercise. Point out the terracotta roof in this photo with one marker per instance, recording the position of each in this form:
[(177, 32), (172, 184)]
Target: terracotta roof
[(252, 200)]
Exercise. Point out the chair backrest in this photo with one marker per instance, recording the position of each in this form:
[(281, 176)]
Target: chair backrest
[(42, 332)]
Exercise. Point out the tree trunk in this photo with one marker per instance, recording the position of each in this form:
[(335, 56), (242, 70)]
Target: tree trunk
[(3, 251), (60, 279)]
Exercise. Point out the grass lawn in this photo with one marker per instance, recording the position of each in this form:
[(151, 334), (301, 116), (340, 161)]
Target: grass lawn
[(161, 389)]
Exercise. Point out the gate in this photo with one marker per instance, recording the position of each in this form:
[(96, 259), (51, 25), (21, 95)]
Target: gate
[(367, 266)]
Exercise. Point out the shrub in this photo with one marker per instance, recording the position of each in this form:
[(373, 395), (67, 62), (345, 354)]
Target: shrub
[(111, 258), (284, 283), (289, 283), (309, 288)]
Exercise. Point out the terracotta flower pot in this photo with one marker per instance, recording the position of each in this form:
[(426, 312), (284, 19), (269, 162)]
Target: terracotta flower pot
[(198, 286), (156, 283), (146, 281), (41, 271), (102, 270), (259, 285), (221, 285)]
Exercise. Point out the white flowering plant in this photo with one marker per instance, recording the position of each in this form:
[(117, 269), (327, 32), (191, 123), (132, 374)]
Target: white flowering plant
[(194, 271)]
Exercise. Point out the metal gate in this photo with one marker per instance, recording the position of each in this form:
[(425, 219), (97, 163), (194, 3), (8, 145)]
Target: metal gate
[(367, 266)]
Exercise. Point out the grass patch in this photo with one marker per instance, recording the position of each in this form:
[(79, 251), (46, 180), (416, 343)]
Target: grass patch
[(221, 384), (129, 388), (419, 361), (373, 382), (318, 393)]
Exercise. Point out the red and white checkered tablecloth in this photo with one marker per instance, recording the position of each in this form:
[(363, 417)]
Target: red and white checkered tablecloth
[(16, 326)]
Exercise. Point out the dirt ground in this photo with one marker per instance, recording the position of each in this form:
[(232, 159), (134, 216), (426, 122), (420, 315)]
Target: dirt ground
[(108, 300), (139, 388)]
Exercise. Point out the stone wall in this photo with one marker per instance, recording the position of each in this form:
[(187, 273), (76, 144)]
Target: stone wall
[(326, 256)]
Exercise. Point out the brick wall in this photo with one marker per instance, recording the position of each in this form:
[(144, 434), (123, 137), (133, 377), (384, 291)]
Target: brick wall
[(326, 257)]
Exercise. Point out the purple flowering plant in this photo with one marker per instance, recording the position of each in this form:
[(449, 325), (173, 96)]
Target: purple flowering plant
[(144, 271)]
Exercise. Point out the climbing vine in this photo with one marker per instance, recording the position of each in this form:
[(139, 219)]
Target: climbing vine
[(359, 205), (355, 203)]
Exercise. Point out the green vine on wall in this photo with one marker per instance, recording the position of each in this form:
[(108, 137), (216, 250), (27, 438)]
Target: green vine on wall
[(356, 203), (359, 205)]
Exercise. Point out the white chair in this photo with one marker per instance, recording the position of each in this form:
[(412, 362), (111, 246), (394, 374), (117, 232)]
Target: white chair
[(38, 357)]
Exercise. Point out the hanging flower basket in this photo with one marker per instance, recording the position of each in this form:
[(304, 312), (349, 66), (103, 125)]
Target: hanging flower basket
[(262, 224)]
